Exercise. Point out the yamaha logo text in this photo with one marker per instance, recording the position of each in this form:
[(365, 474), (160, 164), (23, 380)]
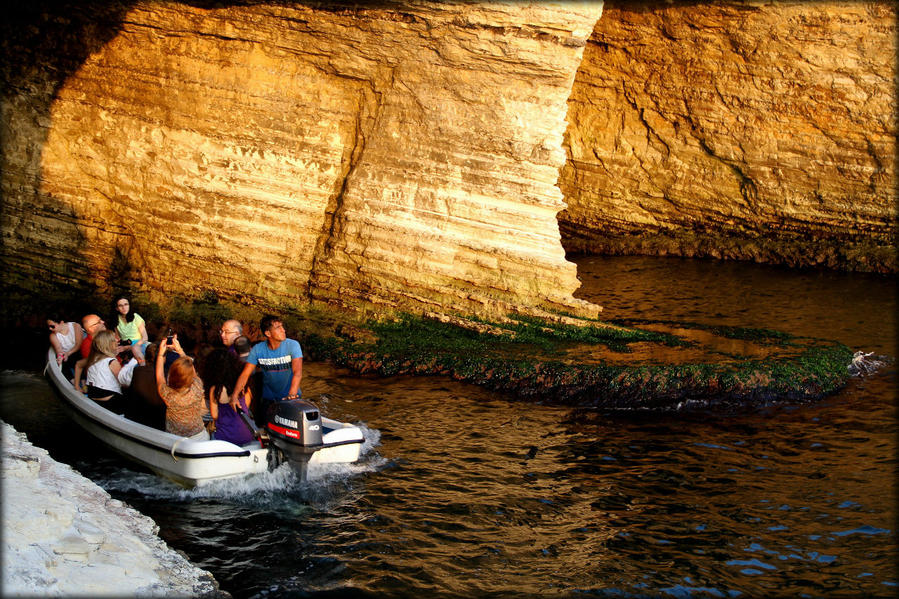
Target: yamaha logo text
[(286, 422)]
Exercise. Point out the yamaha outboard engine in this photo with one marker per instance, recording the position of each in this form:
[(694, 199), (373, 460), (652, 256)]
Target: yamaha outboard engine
[(295, 433)]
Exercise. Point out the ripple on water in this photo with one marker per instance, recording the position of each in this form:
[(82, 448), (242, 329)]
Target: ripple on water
[(466, 494)]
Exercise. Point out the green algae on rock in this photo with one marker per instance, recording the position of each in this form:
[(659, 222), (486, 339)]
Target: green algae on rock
[(622, 364), (596, 366)]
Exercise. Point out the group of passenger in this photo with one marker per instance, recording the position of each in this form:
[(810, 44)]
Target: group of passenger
[(157, 384)]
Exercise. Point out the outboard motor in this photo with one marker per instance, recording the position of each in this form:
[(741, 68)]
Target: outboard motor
[(295, 432)]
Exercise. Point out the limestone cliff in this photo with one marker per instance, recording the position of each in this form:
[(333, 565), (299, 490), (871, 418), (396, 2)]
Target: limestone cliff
[(738, 129), (400, 154), (408, 154)]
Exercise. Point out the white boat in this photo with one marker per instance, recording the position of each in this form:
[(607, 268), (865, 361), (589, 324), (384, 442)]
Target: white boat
[(300, 436)]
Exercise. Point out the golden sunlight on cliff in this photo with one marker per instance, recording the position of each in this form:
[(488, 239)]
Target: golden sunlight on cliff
[(761, 131), (281, 154)]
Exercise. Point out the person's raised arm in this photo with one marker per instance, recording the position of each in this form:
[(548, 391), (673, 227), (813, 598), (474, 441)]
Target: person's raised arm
[(176, 345), (160, 370)]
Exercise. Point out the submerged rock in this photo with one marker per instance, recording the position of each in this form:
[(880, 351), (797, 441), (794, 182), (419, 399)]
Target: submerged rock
[(656, 365), (864, 364)]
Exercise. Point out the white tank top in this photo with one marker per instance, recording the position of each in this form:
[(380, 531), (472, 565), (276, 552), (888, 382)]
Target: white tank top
[(99, 375), (67, 341)]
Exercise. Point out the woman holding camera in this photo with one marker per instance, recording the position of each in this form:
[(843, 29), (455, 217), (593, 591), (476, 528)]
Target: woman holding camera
[(182, 392)]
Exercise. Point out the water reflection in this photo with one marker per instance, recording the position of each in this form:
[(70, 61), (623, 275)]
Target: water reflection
[(857, 309), (467, 493)]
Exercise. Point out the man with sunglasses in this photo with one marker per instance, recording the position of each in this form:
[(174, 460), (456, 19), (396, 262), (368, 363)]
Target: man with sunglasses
[(92, 324)]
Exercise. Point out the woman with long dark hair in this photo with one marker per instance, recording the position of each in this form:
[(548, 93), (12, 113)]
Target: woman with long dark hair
[(220, 372), (131, 328)]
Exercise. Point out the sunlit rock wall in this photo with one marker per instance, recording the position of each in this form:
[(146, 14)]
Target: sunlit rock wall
[(400, 155), (749, 130)]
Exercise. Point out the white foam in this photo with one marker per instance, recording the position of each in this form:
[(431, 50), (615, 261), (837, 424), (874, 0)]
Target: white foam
[(865, 364), (254, 487)]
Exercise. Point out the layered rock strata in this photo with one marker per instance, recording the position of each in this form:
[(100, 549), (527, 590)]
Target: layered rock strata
[(65, 536), (397, 155), (737, 129), (406, 154)]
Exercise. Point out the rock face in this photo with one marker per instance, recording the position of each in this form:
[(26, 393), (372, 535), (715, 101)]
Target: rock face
[(65, 536), (402, 156), (408, 154), (748, 130)]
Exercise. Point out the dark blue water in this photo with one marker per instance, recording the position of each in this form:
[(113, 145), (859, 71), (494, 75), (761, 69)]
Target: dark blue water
[(464, 493)]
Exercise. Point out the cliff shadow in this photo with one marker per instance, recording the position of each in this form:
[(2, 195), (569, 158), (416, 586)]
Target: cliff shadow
[(42, 43)]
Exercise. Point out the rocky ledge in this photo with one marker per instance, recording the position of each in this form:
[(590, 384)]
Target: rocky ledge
[(625, 364), (64, 535)]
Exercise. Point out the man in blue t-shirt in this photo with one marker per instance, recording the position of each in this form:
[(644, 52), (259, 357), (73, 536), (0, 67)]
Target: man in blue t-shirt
[(281, 361)]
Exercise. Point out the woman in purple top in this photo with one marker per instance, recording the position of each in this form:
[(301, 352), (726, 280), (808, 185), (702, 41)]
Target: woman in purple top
[(221, 370)]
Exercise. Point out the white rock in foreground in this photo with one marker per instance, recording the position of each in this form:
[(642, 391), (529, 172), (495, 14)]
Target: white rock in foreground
[(64, 535)]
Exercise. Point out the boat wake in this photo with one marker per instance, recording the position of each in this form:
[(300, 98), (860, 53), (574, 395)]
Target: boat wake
[(254, 487)]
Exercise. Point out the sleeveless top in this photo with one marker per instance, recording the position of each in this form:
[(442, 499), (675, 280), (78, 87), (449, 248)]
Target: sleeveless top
[(229, 426), (185, 409), (99, 375), (67, 341)]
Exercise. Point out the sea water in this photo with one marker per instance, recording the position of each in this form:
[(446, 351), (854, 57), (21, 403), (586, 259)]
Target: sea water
[(463, 492)]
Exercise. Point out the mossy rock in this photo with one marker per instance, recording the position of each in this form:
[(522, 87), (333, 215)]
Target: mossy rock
[(627, 364), (529, 359)]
